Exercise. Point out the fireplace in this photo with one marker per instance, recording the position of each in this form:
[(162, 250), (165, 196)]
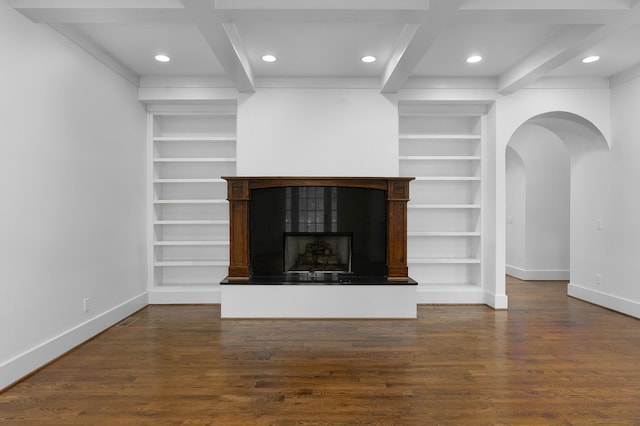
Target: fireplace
[(317, 229), (318, 247)]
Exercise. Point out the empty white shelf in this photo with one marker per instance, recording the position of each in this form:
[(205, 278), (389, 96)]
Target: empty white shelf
[(447, 178), (194, 138), (203, 201), (191, 222), (440, 136), (191, 263), (440, 157), (442, 234), (194, 160), (189, 180), (424, 261), (191, 243), (443, 206)]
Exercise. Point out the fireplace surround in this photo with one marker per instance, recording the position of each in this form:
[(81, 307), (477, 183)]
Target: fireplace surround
[(318, 247), (372, 209)]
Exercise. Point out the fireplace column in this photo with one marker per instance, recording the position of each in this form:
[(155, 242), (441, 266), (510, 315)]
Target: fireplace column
[(238, 194), (397, 198)]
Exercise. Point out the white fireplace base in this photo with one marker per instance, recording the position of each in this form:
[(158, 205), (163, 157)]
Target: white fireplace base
[(318, 301)]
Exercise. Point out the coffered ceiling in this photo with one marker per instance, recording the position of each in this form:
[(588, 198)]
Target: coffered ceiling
[(520, 41)]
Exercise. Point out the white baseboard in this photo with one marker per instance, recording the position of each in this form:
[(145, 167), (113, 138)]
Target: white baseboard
[(496, 301), (538, 274), (28, 362), (609, 301), (450, 295), (318, 301), (460, 295), (183, 296)]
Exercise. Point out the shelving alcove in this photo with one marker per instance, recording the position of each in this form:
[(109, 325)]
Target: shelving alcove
[(189, 150), (442, 145)]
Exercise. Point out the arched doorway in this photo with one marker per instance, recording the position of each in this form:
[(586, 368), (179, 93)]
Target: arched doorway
[(537, 205), (545, 188)]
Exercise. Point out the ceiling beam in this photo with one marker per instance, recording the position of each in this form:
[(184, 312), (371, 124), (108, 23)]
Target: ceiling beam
[(414, 43), (553, 53), (545, 4), (224, 42), (100, 11), (323, 4), (562, 49)]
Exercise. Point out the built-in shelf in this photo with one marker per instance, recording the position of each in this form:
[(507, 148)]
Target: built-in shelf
[(195, 160), (440, 157), (192, 222), (191, 243), (191, 263), (194, 139), (442, 234), (447, 178), (441, 145), (189, 152), (438, 136), (443, 206), (189, 181), (425, 261), (186, 285), (203, 201)]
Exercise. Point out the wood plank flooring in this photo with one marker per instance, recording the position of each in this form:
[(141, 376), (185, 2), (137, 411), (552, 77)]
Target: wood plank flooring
[(550, 360)]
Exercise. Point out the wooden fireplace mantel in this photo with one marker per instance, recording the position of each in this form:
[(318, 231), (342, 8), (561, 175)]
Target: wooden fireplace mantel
[(239, 195)]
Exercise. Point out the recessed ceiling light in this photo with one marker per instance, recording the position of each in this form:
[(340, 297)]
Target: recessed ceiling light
[(590, 59), (368, 59), (162, 58), (269, 58), (474, 59)]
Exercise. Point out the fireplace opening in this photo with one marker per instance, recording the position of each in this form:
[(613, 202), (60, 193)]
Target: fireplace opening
[(348, 223), (317, 253)]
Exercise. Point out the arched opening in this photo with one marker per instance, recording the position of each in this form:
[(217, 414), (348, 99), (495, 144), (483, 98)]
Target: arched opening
[(543, 162)]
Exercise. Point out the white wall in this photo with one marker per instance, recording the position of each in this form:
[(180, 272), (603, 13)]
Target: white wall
[(538, 218), (72, 180), (610, 195), (516, 188), (317, 132)]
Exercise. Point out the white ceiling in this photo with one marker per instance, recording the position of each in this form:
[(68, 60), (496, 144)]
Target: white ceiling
[(521, 41)]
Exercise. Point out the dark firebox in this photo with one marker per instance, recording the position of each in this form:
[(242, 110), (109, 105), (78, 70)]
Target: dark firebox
[(317, 252)]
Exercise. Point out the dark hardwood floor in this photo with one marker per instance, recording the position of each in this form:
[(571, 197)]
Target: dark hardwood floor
[(550, 360)]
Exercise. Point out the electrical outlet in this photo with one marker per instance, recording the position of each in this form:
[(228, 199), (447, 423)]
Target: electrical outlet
[(85, 304), (599, 224), (598, 279)]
